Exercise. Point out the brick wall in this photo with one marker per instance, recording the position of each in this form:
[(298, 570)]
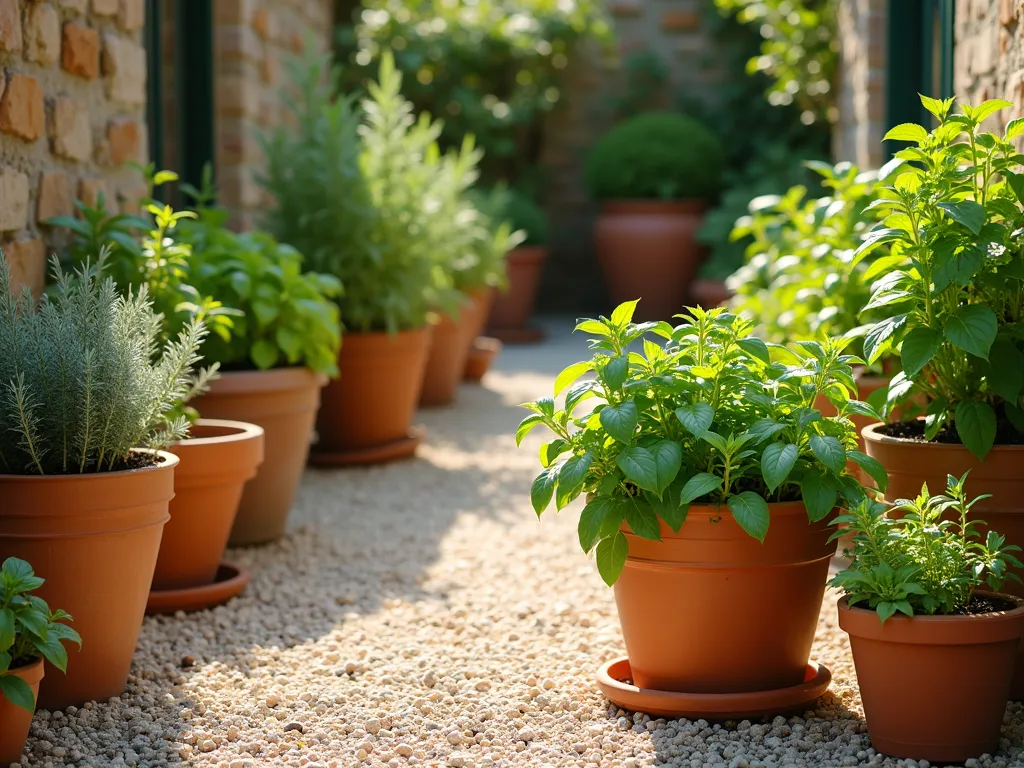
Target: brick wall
[(989, 55), (252, 39), (72, 79), (861, 83)]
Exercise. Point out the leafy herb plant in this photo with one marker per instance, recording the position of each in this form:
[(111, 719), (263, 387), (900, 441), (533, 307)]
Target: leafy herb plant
[(928, 560), (951, 296), (84, 377), (706, 417), (28, 630)]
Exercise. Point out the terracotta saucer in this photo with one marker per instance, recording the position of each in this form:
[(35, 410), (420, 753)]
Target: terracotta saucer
[(231, 580), (375, 454), (481, 355), (612, 678), (528, 335)]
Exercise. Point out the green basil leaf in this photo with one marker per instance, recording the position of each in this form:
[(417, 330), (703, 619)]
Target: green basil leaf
[(751, 512), (819, 493), (976, 426), (777, 462), (697, 417), (620, 421), (972, 328), (830, 452), (919, 347), (611, 557)]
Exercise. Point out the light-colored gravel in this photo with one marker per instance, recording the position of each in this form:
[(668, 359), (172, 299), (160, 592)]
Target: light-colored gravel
[(419, 614)]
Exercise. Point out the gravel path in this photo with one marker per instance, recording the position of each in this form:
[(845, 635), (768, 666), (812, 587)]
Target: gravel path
[(419, 614)]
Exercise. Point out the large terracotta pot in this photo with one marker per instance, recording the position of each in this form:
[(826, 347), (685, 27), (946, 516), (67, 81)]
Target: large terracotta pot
[(510, 313), (647, 250), (712, 610), (373, 401), (215, 464), (15, 721), (284, 402), (449, 350), (934, 687), (910, 463), (94, 538)]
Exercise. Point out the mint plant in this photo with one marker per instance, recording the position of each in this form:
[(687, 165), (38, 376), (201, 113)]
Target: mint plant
[(710, 415), (29, 630), (950, 295), (928, 560)]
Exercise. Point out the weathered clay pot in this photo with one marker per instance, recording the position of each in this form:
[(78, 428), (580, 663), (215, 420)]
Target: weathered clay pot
[(709, 293), (449, 350), (215, 464), (934, 687), (647, 249), (284, 402), (510, 313), (95, 539), (910, 463), (481, 355), (712, 610), (15, 721), (373, 401)]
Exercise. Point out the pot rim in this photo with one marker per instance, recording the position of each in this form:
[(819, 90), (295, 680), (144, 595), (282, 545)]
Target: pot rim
[(776, 509), (614, 206), (870, 432), (168, 461), (31, 673), (242, 431), (527, 253), (275, 379)]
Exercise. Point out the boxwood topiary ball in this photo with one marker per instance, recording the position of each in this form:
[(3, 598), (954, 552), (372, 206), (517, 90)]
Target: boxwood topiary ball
[(656, 156)]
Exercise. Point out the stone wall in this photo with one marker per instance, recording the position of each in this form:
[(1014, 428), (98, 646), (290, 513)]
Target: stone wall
[(252, 41), (73, 84), (989, 56), (861, 82)]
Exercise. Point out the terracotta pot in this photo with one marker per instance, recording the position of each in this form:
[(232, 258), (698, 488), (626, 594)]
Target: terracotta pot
[(481, 356), (215, 464), (712, 610), (15, 721), (934, 687), (512, 309), (373, 401), (910, 463), (284, 403), (94, 538), (476, 316), (709, 293), (449, 350), (647, 250)]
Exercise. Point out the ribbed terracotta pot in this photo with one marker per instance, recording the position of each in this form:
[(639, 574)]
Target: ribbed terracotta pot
[(373, 401), (215, 463), (910, 463), (15, 721), (449, 351), (94, 538), (648, 250), (712, 610), (512, 309), (934, 687), (284, 402)]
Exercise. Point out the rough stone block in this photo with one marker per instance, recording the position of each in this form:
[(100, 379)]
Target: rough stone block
[(75, 6), (42, 32), (13, 199), (10, 26), (70, 130), (80, 52), (54, 196), (131, 15), (21, 108), (105, 7), (27, 261), (124, 65), (123, 135)]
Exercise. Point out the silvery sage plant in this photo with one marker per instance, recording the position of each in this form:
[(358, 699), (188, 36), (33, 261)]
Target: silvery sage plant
[(84, 380), (710, 415)]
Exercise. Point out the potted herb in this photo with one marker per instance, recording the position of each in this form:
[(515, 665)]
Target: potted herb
[(354, 190), (31, 634), (654, 176), (705, 456), (87, 395), (509, 316), (934, 653), (950, 304)]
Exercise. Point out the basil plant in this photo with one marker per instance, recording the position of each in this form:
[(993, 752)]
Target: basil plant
[(709, 415), (951, 296)]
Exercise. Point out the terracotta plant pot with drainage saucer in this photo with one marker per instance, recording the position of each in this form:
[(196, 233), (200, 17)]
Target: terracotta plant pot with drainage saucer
[(15, 721), (449, 349), (935, 687), (711, 610), (367, 412), (284, 402), (228, 582), (509, 318), (215, 463), (95, 537), (910, 463)]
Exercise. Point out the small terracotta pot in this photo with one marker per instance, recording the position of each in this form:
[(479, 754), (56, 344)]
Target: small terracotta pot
[(373, 401), (215, 464), (476, 316), (481, 356), (449, 350), (94, 538), (934, 687), (284, 402), (647, 250), (712, 610), (15, 721), (709, 293), (512, 309), (910, 463)]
